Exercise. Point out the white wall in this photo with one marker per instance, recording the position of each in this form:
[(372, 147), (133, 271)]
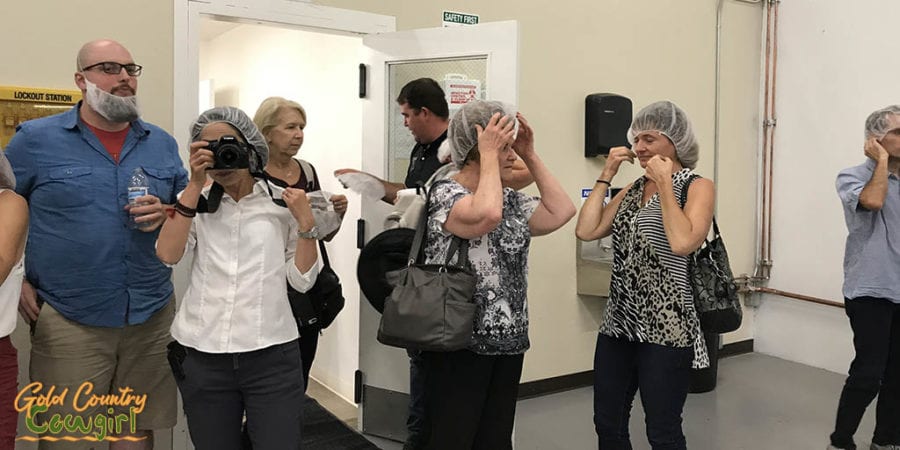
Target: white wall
[(319, 71), (835, 66)]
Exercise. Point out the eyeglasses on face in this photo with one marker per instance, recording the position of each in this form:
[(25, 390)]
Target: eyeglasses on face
[(114, 68)]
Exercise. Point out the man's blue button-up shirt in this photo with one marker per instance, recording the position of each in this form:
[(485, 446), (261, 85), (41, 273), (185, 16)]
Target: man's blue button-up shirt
[(81, 255)]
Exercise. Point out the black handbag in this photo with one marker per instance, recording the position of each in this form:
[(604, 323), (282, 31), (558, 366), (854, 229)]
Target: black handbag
[(712, 282), (318, 306), (431, 307)]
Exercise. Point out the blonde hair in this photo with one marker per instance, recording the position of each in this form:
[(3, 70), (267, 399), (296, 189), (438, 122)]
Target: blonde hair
[(266, 116)]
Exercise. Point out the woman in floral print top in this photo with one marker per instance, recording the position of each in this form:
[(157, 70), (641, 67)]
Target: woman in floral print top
[(472, 392)]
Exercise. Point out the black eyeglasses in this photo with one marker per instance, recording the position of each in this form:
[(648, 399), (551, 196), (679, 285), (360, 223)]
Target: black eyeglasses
[(114, 68)]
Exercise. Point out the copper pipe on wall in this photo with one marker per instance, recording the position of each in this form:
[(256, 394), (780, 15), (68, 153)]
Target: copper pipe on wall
[(770, 120), (764, 223), (796, 296)]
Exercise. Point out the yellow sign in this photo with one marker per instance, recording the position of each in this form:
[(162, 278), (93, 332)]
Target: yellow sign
[(40, 95), (20, 104)]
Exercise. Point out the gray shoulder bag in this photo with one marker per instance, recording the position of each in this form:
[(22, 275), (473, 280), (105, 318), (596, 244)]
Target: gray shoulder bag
[(431, 307)]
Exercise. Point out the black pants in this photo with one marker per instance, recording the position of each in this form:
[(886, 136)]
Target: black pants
[(471, 399), (417, 426), (661, 373), (309, 342), (875, 371), (218, 388)]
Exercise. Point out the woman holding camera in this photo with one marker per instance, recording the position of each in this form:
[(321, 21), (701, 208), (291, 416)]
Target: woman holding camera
[(236, 339), (282, 122)]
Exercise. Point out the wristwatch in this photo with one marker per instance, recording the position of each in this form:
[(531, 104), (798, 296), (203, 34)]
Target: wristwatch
[(311, 234)]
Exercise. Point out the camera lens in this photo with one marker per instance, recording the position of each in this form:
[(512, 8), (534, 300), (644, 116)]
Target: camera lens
[(228, 155)]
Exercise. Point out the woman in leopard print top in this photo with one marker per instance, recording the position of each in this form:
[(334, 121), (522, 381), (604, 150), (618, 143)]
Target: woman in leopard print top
[(650, 337)]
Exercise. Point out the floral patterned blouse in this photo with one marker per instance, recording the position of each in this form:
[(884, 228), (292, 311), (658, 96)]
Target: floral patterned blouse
[(500, 261)]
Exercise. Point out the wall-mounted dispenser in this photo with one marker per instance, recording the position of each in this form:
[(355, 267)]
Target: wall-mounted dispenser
[(594, 260), (606, 121)]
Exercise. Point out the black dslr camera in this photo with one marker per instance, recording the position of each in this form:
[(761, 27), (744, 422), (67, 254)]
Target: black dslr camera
[(229, 153)]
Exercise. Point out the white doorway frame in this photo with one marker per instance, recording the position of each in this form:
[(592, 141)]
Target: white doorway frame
[(188, 15), (288, 13)]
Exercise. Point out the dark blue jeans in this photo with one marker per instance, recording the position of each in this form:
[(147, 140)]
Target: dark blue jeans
[(218, 388), (875, 371), (661, 373)]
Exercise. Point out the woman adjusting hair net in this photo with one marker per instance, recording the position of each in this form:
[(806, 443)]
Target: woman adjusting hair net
[(259, 150), (463, 135), (670, 121), (7, 177), (245, 126)]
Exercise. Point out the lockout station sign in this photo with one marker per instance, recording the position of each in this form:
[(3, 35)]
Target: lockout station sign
[(19, 104), (22, 94)]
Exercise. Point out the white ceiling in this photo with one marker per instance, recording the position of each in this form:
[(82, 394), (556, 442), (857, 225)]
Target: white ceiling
[(211, 28)]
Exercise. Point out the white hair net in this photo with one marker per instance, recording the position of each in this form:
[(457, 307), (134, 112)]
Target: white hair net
[(462, 134), (879, 122), (669, 120), (7, 177), (240, 121)]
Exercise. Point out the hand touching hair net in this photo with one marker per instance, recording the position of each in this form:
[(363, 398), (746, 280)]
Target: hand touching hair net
[(462, 134), (669, 120), (7, 177), (879, 123), (245, 126)]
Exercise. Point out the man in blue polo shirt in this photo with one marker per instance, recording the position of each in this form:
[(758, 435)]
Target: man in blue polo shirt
[(870, 194), (99, 301)]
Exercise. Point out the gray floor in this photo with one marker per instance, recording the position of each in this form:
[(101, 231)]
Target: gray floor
[(760, 402)]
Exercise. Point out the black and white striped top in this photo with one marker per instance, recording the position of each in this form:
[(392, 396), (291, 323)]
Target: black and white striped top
[(650, 297)]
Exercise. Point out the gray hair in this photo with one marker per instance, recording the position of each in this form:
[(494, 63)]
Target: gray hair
[(7, 176), (242, 123), (671, 121), (879, 123), (462, 134)]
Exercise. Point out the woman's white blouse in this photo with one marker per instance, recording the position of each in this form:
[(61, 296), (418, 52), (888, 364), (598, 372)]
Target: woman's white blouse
[(237, 297), (9, 295)]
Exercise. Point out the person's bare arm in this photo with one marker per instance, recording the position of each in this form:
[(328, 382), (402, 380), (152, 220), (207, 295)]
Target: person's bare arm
[(174, 234), (13, 231), (686, 228), (477, 214), (555, 207), (521, 176), (873, 194), (595, 219)]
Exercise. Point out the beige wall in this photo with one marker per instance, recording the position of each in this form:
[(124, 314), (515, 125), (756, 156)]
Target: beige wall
[(43, 36), (644, 49), (647, 50)]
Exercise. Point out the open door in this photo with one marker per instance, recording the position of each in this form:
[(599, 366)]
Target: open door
[(484, 59)]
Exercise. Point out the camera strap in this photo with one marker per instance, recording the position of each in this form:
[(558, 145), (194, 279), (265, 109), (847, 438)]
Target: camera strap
[(211, 204)]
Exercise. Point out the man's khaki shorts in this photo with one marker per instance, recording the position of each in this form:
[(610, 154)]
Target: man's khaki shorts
[(115, 361)]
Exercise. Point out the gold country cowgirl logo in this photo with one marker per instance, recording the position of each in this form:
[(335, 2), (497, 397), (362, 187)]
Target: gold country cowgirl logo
[(82, 424)]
